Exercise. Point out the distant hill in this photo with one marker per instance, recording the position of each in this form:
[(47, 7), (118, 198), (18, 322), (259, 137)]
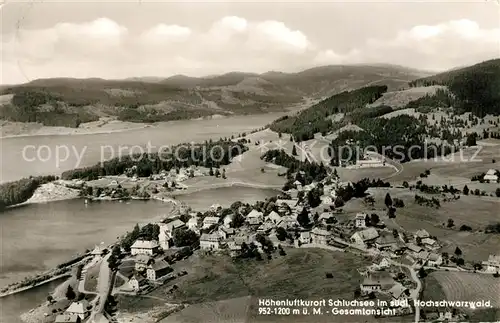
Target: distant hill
[(475, 88), (150, 99)]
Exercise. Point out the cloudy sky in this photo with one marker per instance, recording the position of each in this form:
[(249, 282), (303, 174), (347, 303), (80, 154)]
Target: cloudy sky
[(119, 39)]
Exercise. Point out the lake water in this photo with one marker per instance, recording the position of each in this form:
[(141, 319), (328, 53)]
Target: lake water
[(40, 152), (39, 236)]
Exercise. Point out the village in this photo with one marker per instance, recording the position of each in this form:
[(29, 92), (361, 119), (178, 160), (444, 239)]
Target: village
[(399, 259)]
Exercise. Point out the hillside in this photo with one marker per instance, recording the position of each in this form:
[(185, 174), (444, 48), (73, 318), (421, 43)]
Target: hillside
[(70, 102), (475, 88)]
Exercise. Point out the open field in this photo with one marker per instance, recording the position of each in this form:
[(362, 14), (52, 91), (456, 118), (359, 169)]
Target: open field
[(91, 278), (462, 286), (300, 273)]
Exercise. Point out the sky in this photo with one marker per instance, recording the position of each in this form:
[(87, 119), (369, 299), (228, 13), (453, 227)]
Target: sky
[(120, 39)]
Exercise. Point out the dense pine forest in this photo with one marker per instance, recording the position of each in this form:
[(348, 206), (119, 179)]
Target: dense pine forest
[(475, 88), (20, 191), (315, 119)]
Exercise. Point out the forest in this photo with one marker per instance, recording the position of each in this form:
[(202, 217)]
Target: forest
[(20, 191), (315, 119), (208, 154)]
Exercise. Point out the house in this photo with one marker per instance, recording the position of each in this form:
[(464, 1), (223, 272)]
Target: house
[(327, 200), (68, 318), (384, 263), (209, 221), (434, 259), (288, 222), (273, 217), (376, 282), (142, 261), (144, 247), (284, 206), (215, 207), (430, 243), (192, 224), (167, 232), (98, 251), (492, 264), (228, 220), (234, 249), (422, 234), (298, 185), (414, 248), (226, 232), (360, 220), (305, 237), (398, 291), (422, 255), (210, 241), (320, 236), (136, 282), (79, 308), (491, 176), (255, 217), (158, 269), (385, 241), (265, 227), (364, 237)]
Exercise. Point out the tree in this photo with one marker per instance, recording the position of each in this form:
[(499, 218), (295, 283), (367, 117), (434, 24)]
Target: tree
[(388, 200), (466, 190), (458, 252), (391, 213), (374, 219), (281, 234), (497, 192), (450, 223), (303, 218), (294, 151), (50, 299), (422, 273), (185, 237), (471, 139), (217, 173), (314, 197), (357, 292), (418, 240), (70, 293), (224, 173), (238, 220), (211, 171), (460, 262), (370, 200)]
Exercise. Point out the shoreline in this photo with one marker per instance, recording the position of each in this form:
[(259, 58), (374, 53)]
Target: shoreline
[(23, 289)]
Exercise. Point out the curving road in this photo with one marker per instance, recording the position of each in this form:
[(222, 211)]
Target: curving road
[(103, 288)]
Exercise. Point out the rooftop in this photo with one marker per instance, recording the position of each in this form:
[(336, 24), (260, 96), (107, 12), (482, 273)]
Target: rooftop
[(368, 234), (79, 307), (254, 214), (145, 244), (320, 232)]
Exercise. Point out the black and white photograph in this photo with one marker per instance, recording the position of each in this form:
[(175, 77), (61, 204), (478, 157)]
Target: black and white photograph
[(249, 161)]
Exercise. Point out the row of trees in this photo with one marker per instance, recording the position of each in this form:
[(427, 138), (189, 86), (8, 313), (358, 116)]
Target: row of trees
[(208, 154)]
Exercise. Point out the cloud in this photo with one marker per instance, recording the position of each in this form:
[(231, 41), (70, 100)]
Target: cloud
[(104, 48)]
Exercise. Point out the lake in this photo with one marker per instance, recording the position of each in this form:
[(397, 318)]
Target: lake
[(36, 237), (37, 155)]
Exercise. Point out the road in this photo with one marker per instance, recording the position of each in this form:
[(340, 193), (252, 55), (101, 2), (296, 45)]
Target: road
[(103, 288)]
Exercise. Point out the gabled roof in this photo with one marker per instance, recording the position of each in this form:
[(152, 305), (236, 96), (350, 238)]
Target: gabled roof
[(274, 216), (254, 214), (79, 307), (422, 234), (361, 216), (320, 232), (367, 234), (305, 235), (428, 241), (211, 219), (174, 225), (142, 259), (413, 247), (210, 237), (494, 258), (397, 290), (434, 256), (290, 203), (491, 172), (144, 244), (386, 238), (160, 265)]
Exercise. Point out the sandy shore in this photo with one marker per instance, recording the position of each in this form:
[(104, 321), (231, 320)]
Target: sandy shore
[(104, 125), (52, 192)]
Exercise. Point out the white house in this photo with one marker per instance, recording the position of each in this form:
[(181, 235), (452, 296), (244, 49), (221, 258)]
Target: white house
[(492, 264), (136, 282), (430, 243), (376, 282), (255, 217), (491, 176), (320, 236), (210, 241), (305, 237), (327, 199), (422, 234), (434, 259), (228, 220), (398, 291), (192, 224), (209, 221), (144, 247), (360, 220), (273, 217), (362, 238), (79, 308)]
